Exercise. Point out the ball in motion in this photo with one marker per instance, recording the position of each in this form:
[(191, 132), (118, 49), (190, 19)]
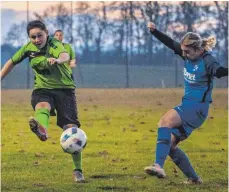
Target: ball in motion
[(73, 140)]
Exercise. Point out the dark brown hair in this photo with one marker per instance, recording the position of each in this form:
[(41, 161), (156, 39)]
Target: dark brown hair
[(36, 24), (58, 31)]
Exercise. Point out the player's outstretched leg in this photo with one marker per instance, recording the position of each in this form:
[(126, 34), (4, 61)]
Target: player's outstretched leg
[(77, 161), (162, 151), (182, 161)]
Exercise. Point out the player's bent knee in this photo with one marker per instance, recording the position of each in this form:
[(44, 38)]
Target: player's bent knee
[(165, 123), (173, 146), (45, 105), (161, 122)]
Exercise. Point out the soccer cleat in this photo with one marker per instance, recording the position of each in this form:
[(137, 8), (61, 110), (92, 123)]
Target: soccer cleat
[(193, 181), (155, 170), (38, 129), (78, 176)]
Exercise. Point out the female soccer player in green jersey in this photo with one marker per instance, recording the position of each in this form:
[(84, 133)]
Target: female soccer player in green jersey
[(53, 84), (59, 35)]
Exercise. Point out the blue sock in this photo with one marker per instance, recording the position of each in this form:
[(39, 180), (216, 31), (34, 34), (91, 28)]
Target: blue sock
[(182, 161), (163, 145)]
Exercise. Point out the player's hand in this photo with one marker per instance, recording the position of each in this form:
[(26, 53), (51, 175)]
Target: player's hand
[(52, 61), (151, 26)]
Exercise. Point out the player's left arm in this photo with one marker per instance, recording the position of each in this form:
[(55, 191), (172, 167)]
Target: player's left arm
[(60, 55), (6, 69), (214, 68), (63, 58), (221, 72)]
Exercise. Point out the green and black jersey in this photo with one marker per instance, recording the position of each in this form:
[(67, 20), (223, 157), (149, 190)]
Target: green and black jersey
[(70, 51), (46, 75)]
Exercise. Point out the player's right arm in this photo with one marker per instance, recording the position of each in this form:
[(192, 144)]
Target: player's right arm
[(60, 55), (19, 56), (165, 39), (214, 68), (6, 68)]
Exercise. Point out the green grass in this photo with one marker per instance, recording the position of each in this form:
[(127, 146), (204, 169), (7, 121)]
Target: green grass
[(121, 142)]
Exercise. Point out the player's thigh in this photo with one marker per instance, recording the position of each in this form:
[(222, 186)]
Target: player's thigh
[(170, 119), (66, 107), (41, 98)]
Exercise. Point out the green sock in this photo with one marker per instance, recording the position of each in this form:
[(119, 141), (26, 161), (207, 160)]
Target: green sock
[(42, 116), (77, 160)]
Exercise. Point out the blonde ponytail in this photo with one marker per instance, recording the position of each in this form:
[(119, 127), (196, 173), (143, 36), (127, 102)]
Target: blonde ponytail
[(194, 40), (209, 43)]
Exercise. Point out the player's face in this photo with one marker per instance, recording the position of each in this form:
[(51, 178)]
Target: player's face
[(38, 37), (59, 36), (190, 53)]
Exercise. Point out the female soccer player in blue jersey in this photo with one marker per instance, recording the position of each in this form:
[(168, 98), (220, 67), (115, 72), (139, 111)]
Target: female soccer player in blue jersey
[(200, 68), (53, 84)]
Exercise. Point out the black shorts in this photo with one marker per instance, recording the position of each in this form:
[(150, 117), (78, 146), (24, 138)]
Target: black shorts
[(63, 100)]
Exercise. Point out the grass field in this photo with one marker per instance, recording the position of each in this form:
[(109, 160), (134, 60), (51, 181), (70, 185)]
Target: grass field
[(121, 125)]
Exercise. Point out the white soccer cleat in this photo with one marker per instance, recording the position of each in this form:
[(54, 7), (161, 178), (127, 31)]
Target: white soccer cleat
[(78, 176), (155, 170), (193, 181)]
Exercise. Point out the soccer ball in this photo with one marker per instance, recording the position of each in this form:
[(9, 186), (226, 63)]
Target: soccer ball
[(73, 140)]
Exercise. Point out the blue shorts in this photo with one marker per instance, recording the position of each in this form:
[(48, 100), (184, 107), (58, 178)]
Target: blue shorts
[(193, 115)]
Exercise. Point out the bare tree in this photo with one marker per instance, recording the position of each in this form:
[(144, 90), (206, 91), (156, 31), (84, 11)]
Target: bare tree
[(85, 27), (17, 35), (57, 17), (222, 11), (118, 29), (101, 25), (188, 14), (150, 12)]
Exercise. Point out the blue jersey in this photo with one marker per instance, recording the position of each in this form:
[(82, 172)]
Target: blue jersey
[(199, 78), (199, 74)]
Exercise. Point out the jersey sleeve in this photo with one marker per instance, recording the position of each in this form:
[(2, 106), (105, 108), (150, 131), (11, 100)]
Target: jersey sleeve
[(56, 48), (169, 42), (211, 64), (20, 55)]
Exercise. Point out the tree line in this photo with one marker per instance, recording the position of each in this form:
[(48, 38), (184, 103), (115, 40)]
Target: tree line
[(116, 33)]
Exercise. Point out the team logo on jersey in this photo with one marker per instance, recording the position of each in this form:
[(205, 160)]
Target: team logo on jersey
[(32, 54), (189, 76), (195, 67)]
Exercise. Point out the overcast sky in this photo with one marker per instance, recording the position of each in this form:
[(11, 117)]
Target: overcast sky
[(15, 12)]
